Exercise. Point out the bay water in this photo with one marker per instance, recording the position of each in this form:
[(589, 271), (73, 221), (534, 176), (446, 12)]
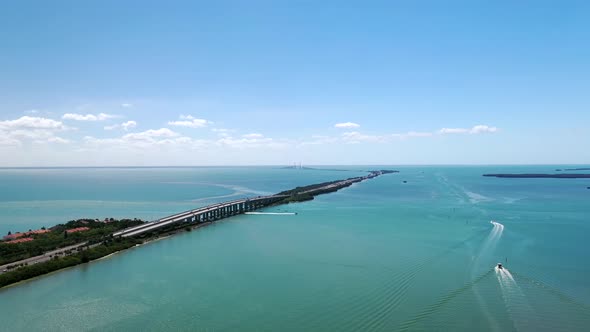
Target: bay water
[(380, 255)]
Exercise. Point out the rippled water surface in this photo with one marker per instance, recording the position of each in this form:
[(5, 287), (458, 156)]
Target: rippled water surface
[(381, 255)]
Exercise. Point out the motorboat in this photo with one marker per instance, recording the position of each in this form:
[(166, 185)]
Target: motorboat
[(500, 266)]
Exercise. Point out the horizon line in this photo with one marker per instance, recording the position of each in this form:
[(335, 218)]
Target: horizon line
[(283, 165)]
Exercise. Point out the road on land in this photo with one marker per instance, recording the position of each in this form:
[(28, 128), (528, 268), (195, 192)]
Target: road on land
[(45, 257)]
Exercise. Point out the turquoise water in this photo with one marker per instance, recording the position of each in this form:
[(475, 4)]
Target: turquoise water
[(380, 255)]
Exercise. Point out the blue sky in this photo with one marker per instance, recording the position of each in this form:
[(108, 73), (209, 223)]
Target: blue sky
[(272, 82)]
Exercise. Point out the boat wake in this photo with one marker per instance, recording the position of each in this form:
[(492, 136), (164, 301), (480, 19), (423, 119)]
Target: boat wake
[(497, 230), (482, 259), (518, 307), (391, 294), (236, 190), (475, 198), (442, 301), (490, 243)]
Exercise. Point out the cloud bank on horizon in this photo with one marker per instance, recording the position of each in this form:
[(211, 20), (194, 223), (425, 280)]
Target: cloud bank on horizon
[(48, 135)]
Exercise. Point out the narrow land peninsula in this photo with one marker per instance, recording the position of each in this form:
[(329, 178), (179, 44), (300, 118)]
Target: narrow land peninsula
[(36, 252), (556, 176)]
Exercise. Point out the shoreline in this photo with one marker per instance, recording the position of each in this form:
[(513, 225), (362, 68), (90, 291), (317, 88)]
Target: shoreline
[(144, 242), (296, 195)]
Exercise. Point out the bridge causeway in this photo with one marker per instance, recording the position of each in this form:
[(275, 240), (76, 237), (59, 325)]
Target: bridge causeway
[(227, 209), (205, 214)]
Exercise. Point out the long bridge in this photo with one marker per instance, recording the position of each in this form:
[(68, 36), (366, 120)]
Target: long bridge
[(205, 214), (226, 209)]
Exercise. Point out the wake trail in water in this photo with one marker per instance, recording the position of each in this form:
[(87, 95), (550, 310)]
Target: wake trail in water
[(210, 198), (496, 233), (358, 315), (556, 292), (518, 307), (437, 306), (391, 294), (237, 190), (482, 257), (489, 244)]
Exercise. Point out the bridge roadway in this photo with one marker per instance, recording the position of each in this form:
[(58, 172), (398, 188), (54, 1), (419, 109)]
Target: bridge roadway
[(205, 214), (226, 209)]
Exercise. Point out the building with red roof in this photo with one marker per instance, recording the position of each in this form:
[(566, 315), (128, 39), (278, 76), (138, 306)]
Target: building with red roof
[(19, 235), (25, 239), (78, 229)]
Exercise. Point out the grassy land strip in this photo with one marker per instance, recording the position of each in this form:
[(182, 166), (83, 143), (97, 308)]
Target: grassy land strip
[(57, 238), (58, 263)]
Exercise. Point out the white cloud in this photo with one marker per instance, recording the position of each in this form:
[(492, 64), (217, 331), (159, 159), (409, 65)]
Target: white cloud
[(57, 139), (115, 142), (189, 121), (125, 125), (52, 139), (13, 132), (7, 140), (151, 134), (253, 135), (483, 129), (453, 131), (31, 123), (196, 123), (254, 142), (356, 137), (87, 117), (320, 139), (35, 134), (128, 125), (347, 125), (223, 132), (126, 105), (146, 140), (411, 134), (474, 130)]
